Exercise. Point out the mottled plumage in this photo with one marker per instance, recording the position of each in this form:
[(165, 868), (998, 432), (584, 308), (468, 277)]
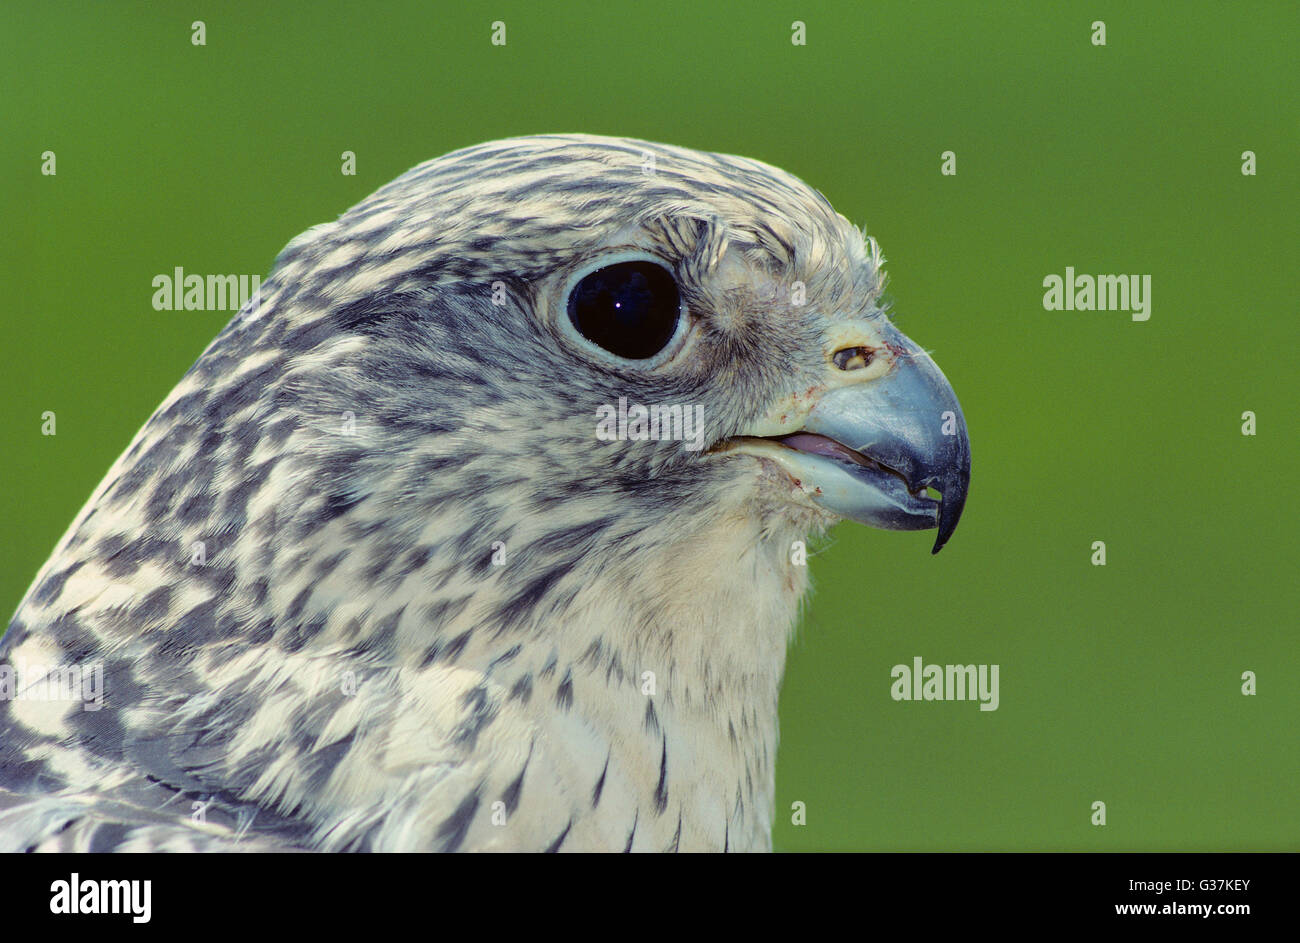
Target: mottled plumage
[(428, 594)]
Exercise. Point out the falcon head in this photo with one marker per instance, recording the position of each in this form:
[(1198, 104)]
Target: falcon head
[(517, 315), (535, 421)]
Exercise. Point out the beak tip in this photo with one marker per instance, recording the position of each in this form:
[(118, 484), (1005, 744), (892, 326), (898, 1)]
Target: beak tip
[(940, 542), (954, 502)]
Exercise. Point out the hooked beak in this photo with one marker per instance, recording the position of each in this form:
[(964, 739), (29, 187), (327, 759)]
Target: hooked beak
[(869, 451)]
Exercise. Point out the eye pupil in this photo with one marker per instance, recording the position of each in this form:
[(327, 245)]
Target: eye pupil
[(630, 309)]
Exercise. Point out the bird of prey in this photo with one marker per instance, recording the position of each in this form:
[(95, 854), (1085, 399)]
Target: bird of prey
[(480, 528)]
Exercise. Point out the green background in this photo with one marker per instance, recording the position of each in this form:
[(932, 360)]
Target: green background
[(1118, 683)]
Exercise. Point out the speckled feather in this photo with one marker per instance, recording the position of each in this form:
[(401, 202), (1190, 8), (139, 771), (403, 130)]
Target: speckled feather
[(347, 669)]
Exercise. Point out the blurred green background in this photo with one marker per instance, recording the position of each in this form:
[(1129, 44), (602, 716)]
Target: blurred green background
[(1119, 683)]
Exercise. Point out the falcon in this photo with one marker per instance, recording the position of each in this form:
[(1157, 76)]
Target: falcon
[(481, 527)]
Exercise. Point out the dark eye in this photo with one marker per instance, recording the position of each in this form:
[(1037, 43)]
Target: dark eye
[(629, 308)]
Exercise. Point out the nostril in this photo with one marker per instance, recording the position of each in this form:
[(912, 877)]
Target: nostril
[(853, 358)]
